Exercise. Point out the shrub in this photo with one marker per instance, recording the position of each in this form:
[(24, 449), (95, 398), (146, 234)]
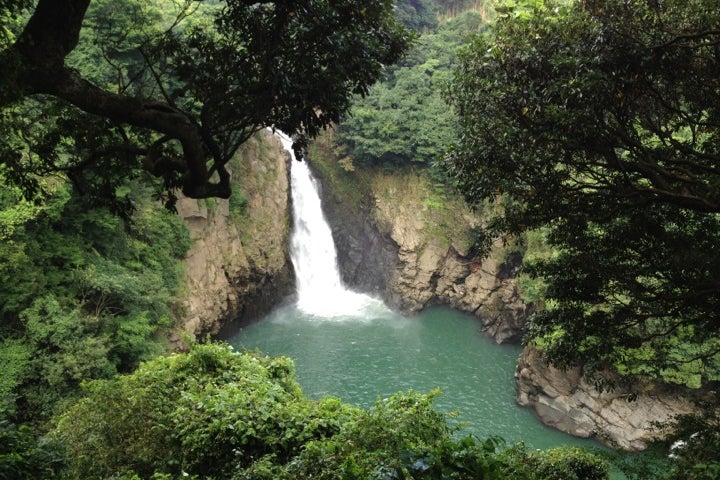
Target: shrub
[(215, 413)]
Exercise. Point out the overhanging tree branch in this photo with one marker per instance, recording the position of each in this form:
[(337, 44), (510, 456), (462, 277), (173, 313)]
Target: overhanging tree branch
[(240, 68), (50, 35)]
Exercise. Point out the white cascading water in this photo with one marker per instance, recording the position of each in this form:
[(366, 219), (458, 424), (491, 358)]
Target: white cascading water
[(312, 250)]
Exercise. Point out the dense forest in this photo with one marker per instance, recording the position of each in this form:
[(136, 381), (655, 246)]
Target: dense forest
[(588, 134)]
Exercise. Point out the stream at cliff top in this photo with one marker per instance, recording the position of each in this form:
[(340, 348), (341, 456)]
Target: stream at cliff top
[(351, 346)]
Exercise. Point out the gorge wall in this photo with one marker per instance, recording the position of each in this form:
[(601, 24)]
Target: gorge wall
[(406, 240), (399, 238), (622, 418), (238, 266)]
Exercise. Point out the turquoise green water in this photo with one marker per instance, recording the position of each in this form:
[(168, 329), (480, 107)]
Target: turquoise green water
[(360, 359)]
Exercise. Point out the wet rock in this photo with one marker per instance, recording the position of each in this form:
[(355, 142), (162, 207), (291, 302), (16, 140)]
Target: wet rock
[(403, 251), (563, 399)]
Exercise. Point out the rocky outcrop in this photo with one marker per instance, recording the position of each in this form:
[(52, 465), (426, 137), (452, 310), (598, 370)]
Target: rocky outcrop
[(622, 418), (404, 243), (238, 266), (433, 273)]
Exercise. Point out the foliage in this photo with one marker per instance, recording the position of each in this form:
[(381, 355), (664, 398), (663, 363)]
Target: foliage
[(534, 248), (10, 13), (14, 356), (205, 412), (67, 347), (695, 446), (102, 91), (84, 294), (221, 414), (417, 14), (599, 121), (404, 119), (115, 34), (570, 463), (22, 457)]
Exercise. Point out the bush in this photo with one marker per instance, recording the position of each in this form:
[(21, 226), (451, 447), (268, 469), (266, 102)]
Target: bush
[(85, 293), (204, 412), (215, 413), (563, 463), (23, 456)]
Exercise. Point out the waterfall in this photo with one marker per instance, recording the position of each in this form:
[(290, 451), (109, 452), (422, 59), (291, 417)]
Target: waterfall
[(312, 251)]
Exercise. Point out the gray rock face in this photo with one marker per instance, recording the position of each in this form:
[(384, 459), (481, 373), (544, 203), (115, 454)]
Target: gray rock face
[(238, 266), (436, 275), (366, 257), (566, 401), (398, 248)]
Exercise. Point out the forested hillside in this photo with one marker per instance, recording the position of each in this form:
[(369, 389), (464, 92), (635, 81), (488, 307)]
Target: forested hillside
[(587, 133), (404, 120)]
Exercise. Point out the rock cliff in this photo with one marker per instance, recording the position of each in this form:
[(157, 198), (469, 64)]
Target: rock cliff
[(238, 267), (622, 418), (435, 263), (402, 238)]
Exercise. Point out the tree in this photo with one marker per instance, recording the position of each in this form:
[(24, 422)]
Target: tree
[(404, 119), (85, 294), (417, 14), (600, 121), (186, 95)]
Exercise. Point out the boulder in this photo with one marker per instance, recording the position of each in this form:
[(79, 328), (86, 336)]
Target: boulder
[(624, 418)]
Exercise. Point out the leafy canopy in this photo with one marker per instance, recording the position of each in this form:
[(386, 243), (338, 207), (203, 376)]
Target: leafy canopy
[(102, 90), (600, 120), (404, 120), (85, 293)]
